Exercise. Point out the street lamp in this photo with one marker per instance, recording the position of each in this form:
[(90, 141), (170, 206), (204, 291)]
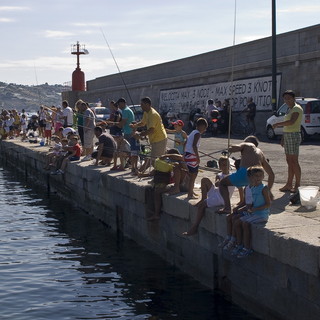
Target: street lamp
[(274, 57)]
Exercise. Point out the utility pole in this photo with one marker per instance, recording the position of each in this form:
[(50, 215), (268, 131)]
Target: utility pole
[(274, 57)]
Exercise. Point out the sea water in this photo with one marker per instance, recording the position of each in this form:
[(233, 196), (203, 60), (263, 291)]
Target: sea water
[(57, 262)]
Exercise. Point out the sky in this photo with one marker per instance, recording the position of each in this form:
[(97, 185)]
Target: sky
[(36, 35)]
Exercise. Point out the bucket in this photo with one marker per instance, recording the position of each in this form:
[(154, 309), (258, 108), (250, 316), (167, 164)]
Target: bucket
[(308, 196)]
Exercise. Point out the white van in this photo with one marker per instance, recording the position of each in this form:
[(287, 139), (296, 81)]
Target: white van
[(310, 120)]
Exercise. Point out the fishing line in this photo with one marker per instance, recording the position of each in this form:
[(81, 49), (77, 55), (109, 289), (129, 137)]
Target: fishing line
[(36, 76), (232, 71), (115, 61)]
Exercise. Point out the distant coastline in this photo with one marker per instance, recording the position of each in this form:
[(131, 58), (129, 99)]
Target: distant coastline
[(18, 96)]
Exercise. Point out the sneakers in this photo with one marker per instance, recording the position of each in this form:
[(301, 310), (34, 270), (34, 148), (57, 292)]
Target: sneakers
[(223, 243), (57, 172), (244, 253), (236, 250), (229, 246), (87, 158)]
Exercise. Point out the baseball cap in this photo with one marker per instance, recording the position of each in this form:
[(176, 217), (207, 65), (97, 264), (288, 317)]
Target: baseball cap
[(121, 100), (179, 123)]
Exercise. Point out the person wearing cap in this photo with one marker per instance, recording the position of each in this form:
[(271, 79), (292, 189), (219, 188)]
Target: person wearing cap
[(180, 136), (155, 130)]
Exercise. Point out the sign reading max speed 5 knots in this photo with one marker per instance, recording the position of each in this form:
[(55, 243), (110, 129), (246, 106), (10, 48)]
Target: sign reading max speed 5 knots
[(183, 100)]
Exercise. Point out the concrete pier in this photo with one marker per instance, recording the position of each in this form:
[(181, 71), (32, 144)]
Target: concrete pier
[(279, 281)]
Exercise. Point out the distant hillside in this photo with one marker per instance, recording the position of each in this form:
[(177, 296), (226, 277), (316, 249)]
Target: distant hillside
[(17, 96)]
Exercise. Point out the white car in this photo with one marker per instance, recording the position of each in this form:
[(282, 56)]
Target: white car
[(102, 113), (310, 120)]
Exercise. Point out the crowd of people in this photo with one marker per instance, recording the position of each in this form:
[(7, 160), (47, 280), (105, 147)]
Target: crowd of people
[(76, 135)]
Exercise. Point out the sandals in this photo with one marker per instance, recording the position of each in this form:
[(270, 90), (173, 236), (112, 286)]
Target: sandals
[(223, 211), (285, 189)]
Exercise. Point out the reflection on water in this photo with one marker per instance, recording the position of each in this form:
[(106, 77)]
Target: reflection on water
[(59, 263)]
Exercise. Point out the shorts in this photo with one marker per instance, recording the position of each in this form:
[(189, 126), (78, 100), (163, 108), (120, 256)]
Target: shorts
[(191, 162), (105, 154), (158, 148), (88, 138), (57, 126), (254, 218), (239, 178), (292, 142), (74, 158), (115, 130), (42, 123), (47, 133), (134, 144)]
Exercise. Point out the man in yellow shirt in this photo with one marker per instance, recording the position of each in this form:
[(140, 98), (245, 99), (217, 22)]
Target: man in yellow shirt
[(155, 130)]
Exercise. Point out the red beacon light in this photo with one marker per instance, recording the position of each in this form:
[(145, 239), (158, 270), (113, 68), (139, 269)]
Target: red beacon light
[(78, 79)]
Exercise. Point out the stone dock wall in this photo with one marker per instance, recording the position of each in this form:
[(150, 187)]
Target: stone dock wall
[(279, 281)]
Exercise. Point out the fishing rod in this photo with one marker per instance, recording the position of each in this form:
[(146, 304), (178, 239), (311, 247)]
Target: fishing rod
[(232, 71), (115, 61), (204, 154), (36, 76)]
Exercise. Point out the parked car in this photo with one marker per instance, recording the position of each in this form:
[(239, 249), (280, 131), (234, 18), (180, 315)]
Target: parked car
[(137, 111), (102, 113), (310, 120)]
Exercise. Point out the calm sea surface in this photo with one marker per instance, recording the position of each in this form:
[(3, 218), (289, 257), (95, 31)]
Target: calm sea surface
[(59, 263)]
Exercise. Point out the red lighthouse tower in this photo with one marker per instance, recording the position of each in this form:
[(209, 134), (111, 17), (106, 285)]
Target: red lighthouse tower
[(78, 81)]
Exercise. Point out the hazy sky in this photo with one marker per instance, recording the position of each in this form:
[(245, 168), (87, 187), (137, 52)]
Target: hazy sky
[(36, 35)]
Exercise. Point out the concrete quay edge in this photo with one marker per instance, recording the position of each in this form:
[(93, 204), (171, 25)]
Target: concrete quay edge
[(285, 265)]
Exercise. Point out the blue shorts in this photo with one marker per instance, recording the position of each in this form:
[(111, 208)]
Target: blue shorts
[(134, 144), (74, 158), (239, 178), (255, 218)]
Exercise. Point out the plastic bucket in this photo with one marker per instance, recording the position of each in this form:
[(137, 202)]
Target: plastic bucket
[(308, 196)]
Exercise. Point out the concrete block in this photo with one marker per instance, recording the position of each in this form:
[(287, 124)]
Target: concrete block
[(175, 207), (138, 208), (260, 239), (207, 240), (304, 285), (294, 252), (136, 190), (208, 221), (267, 268), (73, 168), (121, 185), (91, 173), (220, 224), (199, 260), (243, 279)]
